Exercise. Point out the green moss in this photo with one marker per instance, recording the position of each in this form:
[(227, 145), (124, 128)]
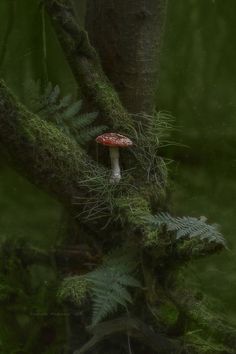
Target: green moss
[(86, 66), (74, 289), (168, 313), (108, 101), (133, 208), (194, 340), (39, 150), (152, 239)]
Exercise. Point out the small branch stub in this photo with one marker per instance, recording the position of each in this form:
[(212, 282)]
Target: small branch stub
[(114, 141)]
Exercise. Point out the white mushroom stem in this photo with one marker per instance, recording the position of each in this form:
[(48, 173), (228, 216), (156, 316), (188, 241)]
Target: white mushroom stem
[(115, 167)]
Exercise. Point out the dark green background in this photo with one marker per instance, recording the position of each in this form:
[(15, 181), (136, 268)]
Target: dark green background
[(197, 85)]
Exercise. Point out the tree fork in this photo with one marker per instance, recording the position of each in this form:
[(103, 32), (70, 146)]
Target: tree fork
[(85, 64), (128, 35)]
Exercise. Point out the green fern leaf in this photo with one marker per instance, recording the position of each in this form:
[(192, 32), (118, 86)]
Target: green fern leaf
[(84, 120), (65, 102), (54, 95), (103, 307), (188, 227), (63, 112), (73, 110), (109, 284), (90, 133), (128, 280)]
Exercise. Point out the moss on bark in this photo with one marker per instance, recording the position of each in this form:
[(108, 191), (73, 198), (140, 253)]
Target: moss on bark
[(85, 65), (43, 154)]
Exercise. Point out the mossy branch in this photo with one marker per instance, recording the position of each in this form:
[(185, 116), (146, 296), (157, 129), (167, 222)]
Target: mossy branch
[(50, 160), (39, 151), (85, 64), (190, 249), (194, 308)]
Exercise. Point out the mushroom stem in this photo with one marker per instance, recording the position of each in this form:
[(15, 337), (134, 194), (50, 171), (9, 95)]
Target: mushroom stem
[(115, 167)]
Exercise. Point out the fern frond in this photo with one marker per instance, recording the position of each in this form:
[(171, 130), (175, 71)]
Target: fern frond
[(102, 307), (53, 95), (47, 102), (65, 102), (73, 110), (63, 112), (109, 284), (188, 227), (85, 119), (128, 280)]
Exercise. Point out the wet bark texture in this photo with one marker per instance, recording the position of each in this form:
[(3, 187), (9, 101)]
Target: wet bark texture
[(127, 35)]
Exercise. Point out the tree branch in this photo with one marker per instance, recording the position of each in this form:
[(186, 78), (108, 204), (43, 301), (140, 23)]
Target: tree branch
[(194, 308), (134, 328), (50, 160), (195, 248), (85, 64), (43, 154)]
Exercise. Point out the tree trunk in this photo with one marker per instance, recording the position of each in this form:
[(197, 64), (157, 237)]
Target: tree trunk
[(127, 35)]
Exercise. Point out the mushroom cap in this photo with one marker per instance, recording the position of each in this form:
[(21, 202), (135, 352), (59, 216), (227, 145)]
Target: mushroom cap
[(114, 140)]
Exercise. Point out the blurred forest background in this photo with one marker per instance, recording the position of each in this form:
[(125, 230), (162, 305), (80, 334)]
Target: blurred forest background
[(196, 85)]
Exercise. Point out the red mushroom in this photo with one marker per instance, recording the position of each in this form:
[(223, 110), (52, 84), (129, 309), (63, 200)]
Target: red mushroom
[(114, 141)]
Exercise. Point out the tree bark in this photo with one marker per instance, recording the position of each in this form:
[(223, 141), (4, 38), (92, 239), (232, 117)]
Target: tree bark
[(38, 150), (127, 35), (85, 64)]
